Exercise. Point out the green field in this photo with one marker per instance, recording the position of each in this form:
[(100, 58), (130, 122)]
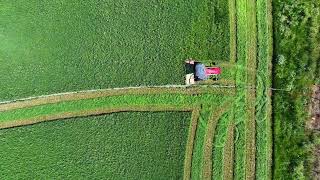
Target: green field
[(267, 49), (61, 45), (117, 146)]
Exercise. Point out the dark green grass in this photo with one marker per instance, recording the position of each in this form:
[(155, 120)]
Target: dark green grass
[(116, 146), (296, 30), (66, 45)]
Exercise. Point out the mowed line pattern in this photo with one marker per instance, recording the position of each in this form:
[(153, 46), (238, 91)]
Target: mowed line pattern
[(145, 107), (250, 144)]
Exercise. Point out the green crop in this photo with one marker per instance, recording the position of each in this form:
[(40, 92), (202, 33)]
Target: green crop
[(58, 46), (65, 45), (116, 146)]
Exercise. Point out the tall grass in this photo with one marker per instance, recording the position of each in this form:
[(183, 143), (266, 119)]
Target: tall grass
[(296, 42)]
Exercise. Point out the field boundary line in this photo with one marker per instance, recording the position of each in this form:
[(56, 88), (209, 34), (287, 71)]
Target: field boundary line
[(216, 114), (91, 94), (228, 153)]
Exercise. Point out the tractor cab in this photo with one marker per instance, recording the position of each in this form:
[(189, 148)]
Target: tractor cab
[(200, 73)]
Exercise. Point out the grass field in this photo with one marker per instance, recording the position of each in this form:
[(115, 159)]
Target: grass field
[(60, 46), (145, 43), (121, 145)]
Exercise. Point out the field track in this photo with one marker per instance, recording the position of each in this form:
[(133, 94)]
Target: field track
[(209, 139), (56, 98)]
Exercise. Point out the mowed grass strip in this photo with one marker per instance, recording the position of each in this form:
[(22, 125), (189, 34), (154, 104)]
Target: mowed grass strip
[(219, 144), (209, 140), (52, 99), (233, 30), (240, 101), (114, 146), (100, 111), (197, 160), (228, 153), (246, 79), (263, 106), (190, 143), (251, 93)]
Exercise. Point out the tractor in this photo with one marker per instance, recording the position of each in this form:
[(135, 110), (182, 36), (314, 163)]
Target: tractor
[(200, 73)]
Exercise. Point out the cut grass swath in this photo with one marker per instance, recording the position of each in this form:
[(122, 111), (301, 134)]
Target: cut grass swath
[(233, 31), (228, 153), (197, 160), (245, 108), (209, 139), (100, 111), (219, 143), (263, 106), (51, 99), (190, 143), (241, 80), (251, 94)]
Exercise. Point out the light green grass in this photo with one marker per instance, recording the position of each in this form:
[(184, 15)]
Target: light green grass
[(263, 102), (111, 102), (219, 143)]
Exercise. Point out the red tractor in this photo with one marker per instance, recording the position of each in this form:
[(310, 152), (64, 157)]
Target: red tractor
[(197, 72)]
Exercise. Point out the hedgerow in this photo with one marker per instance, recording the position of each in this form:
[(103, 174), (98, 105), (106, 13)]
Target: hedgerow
[(296, 63)]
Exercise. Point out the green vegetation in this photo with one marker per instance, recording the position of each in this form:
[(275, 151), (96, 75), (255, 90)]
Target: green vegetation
[(296, 35), (219, 145), (144, 43), (161, 102), (113, 102), (263, 92), (65, 45), (117, 146), (245, 78)]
